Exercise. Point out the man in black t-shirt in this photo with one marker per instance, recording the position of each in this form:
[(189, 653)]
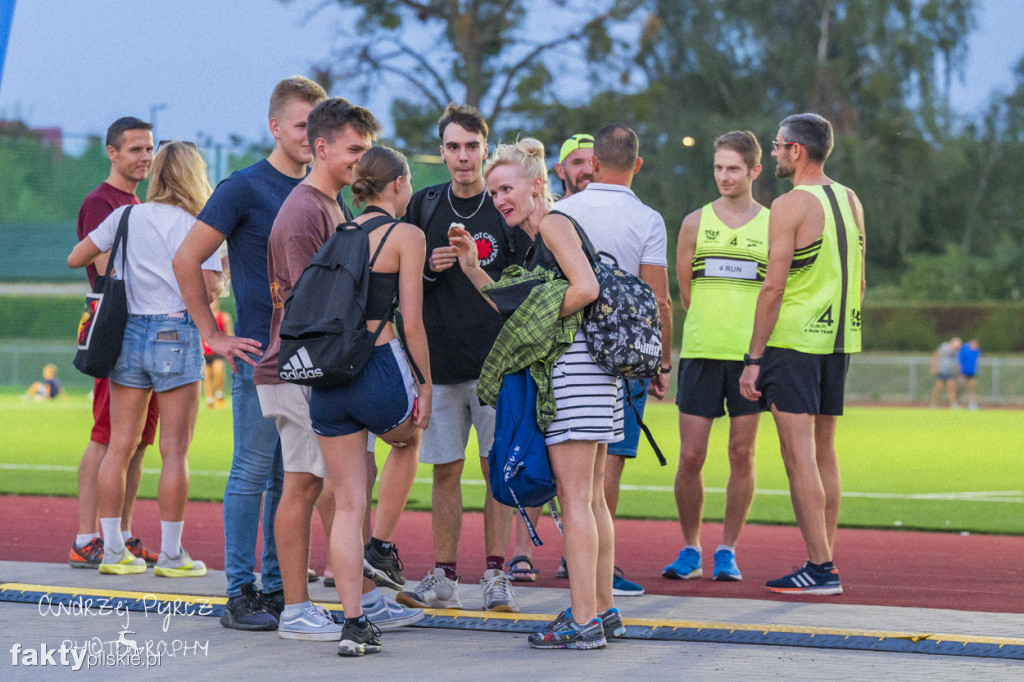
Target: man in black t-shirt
[(461, 328)]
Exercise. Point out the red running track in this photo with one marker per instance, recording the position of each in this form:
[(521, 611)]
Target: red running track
[(882, 568)]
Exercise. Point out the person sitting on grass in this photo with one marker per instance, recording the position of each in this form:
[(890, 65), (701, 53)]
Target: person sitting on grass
[(48, 388)]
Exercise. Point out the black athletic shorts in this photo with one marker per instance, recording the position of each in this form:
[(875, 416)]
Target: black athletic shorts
[(704, 385), (803, 383)]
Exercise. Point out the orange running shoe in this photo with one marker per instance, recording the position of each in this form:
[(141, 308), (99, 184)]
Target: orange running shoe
[(134, 546), (88, 556)]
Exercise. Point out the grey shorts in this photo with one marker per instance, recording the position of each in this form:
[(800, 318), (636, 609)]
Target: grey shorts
[(288, 406), (454, 408)]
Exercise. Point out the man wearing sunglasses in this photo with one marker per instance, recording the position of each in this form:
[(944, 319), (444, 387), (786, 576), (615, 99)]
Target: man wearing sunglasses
[(806, 324)]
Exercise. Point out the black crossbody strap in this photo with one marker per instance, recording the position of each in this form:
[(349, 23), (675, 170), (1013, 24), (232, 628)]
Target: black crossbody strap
[(120, 242)]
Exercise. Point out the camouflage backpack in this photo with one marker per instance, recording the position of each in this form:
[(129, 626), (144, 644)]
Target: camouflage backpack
[(622, 327)]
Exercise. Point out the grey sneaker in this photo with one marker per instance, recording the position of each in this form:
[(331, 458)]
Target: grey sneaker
[(611, 621), (121, 563), (435, 591), (181, 566), (387, 614), (559, 623), (311, 623), (498, 592)]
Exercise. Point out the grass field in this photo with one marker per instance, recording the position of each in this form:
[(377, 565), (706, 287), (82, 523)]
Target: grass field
[(905, 467)]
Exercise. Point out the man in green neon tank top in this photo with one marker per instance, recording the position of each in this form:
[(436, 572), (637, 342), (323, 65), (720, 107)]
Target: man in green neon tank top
[(720, 261), (806, 324)]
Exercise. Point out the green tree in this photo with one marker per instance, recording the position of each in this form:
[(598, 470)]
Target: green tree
[(492, 54)]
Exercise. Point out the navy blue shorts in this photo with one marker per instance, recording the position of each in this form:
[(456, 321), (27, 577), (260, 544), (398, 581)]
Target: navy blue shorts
[(379, 399), (803, 383), (707, 388)]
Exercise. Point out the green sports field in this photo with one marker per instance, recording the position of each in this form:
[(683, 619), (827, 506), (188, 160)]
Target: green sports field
[(902, 467)]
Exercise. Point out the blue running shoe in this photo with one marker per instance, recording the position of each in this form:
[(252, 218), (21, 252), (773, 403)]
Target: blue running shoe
[(686, 566), (725, 566), (611, 621), (806, 580), (624, 588), (572, 636)]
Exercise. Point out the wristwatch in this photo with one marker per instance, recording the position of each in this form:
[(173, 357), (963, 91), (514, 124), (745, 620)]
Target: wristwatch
[(747, 360), (666, 370)]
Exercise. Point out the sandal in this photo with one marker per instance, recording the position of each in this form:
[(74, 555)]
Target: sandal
[(519, 574)]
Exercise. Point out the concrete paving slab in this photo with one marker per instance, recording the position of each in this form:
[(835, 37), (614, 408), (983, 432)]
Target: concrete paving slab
[(198, 646)]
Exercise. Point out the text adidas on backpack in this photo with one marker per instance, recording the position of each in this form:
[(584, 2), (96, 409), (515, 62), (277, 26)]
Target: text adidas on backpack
[(300, 366)]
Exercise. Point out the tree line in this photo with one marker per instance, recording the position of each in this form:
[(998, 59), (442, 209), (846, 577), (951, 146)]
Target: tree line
[(940, 190)]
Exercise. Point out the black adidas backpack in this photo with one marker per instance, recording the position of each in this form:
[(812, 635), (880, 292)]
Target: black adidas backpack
[(324, 339)]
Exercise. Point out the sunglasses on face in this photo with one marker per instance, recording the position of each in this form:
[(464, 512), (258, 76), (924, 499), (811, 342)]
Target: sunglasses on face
[(782, 143), (161, 143)]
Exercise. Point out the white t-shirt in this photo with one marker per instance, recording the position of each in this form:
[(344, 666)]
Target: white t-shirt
[(619, 224), (155, 231)]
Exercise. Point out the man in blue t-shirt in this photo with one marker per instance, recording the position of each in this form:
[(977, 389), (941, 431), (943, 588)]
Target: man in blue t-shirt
[(968, 357), (242, 211)]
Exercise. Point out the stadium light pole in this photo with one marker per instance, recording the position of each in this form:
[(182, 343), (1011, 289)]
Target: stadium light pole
[(153, 110)]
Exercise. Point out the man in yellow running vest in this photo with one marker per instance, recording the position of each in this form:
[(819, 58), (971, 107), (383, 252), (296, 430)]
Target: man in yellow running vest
[(720, 261), (807, 322)]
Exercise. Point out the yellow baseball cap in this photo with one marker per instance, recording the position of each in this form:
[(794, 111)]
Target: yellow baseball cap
[(577, 141)]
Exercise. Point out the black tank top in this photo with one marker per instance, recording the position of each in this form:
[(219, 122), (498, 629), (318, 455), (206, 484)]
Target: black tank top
[(383, 286)]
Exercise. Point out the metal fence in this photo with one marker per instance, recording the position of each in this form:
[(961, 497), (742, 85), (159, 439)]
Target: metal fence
[(873, 378), (878, 378)]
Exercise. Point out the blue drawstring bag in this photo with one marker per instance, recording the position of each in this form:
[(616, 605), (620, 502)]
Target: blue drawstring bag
[(520, 471)]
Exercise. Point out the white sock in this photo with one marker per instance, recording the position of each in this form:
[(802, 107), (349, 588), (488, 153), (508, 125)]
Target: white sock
[(295, 609), (721, 547), (112, 541), (83, 539), (170, 538), (695, 548), (370, 598), (126, 535)]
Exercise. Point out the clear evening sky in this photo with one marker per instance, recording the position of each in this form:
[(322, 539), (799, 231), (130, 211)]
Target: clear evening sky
[(207, 66)]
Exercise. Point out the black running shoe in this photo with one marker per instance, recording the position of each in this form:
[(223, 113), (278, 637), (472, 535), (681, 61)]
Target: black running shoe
[(384, 569), (273, 602), (572, 636), (806, 580), (247, 612), (356, 641)]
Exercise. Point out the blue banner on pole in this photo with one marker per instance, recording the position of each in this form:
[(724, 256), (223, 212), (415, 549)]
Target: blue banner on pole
[(6, 19)]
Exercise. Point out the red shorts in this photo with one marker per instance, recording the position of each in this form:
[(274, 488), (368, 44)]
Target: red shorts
[(101, 415)]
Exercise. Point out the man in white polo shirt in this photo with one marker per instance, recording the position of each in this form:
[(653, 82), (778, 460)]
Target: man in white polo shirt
[(625, 230)]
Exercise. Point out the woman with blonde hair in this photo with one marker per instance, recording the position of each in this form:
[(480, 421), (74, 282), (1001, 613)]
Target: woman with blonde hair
[(588, 400), (160, 353), (390, 398)]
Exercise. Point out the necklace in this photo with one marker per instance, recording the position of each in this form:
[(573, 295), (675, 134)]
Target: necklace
[(465, 217)]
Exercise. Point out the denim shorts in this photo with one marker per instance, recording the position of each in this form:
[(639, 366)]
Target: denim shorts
[(161, 352)]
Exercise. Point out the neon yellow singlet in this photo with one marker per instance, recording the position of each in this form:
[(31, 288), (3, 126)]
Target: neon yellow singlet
[(820, 310), (728, 269)]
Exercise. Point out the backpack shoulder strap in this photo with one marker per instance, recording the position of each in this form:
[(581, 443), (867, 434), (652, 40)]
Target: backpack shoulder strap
[(588, 246), (382, 240), (431, 200)]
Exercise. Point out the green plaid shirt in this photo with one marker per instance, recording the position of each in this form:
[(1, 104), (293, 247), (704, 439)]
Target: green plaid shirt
[(534, 336)]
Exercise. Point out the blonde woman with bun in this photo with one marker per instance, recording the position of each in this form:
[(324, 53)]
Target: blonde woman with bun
[(161, 353), (588, 400)]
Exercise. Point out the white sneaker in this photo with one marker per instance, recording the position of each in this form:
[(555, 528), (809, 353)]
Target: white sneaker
[(312, 623), (387, 614), (498, 592), (435, 591)]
